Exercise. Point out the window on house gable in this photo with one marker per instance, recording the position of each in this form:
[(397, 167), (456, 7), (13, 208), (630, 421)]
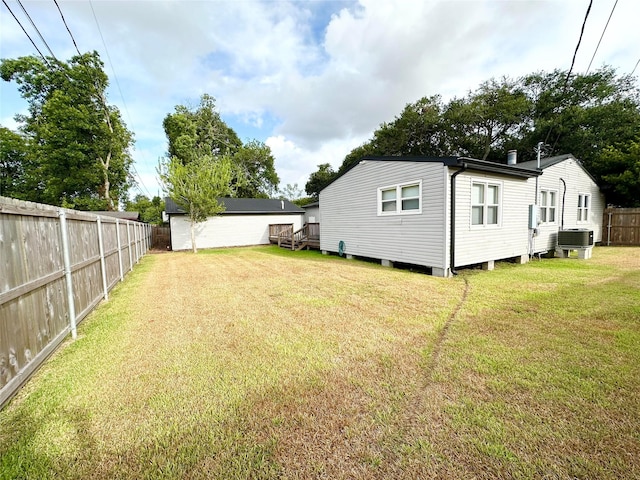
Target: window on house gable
[(400, 199), (548, 206), (485, 203), (584, 203)]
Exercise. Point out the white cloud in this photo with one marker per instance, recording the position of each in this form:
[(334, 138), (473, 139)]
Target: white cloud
[(315, 79), (295, 163)]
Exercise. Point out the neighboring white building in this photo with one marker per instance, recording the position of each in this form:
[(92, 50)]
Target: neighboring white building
[(400, 209), (312, 212), (244, 222)]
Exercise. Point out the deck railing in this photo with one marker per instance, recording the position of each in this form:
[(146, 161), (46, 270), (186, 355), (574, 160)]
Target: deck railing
[(285, 236), (276, 228)]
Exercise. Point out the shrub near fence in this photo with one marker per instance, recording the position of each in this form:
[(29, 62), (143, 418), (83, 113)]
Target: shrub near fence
[(56, 265)]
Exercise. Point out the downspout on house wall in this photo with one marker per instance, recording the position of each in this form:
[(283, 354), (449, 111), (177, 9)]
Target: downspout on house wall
[(564, 193), (452, 246)]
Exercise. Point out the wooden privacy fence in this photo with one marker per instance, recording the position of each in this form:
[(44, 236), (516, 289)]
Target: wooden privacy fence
[(56, 265), (160, 238), (621, 226)]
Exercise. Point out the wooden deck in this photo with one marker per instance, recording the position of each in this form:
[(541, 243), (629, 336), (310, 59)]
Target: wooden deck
[(283, 235)]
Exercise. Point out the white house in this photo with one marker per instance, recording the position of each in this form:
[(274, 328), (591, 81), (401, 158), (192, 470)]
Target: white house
[(245, 221), (568, 198), (449, 212)]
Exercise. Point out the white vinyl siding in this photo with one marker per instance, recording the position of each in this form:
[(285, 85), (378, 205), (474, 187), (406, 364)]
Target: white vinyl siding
[(485, 203), (548, 206), (400, 199), (570, 180), (227, 230), (506, 204), (351, 212)]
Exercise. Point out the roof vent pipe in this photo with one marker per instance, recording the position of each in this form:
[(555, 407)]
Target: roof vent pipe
[(282, 204), (512, 157)]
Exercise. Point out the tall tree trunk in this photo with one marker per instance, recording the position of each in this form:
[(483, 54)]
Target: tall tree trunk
[(106, 186)]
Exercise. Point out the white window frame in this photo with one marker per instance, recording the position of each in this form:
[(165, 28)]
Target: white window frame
[(584, 207), (547, 207), (485, 205), (398, 199)]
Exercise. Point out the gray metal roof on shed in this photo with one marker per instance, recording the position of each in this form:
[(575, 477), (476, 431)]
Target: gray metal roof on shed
[(245, 206)]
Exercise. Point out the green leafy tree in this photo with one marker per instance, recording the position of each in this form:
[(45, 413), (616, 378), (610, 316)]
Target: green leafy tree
[(150, 210), (619, 169), (78, 145), (254, 172), (594, 116), (486, 122), (194, 132), (13, 165), (589, 114), (418, 130), (320, 179), (196, 186)]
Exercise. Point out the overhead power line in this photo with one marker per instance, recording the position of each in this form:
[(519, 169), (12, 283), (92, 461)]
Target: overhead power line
[(36, 29), (113, 70), (25, 32), (601, 36), (67, 27), (575, 53), (573, 61), (634, 68)]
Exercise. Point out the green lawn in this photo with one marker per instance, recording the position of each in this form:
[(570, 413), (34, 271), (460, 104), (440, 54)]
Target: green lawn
[(264, 363)]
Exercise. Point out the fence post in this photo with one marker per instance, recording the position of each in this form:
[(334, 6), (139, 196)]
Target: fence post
[(136, 235), (129, 248), (102, 262), (119, 250), (67, 272)]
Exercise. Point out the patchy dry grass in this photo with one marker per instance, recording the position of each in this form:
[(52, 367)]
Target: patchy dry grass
[(263, 363)]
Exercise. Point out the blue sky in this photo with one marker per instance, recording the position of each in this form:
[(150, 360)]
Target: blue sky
[(312, 79)]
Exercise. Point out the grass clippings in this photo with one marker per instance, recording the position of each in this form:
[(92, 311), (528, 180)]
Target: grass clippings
[(264, 363)]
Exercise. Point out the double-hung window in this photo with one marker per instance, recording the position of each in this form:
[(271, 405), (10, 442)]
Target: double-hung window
[(584, 203), (485, 203), (548, 206), (400, 199)]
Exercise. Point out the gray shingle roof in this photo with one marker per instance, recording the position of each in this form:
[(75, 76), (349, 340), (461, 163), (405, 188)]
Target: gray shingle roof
[(549, 161), (471, 163), (545, 162), (245, 206)]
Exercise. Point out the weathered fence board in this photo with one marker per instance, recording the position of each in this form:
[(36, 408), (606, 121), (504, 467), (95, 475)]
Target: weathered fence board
[(36, 312), (621, 226)]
